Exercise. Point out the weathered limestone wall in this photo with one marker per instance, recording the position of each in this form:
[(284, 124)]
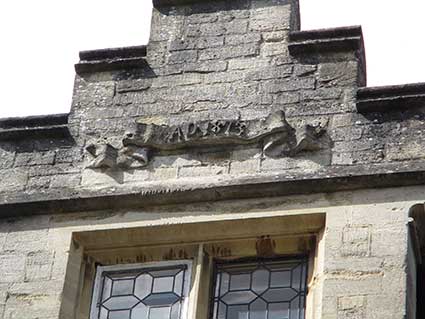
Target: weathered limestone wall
[(216, 60), (360, 270), (205, 61)]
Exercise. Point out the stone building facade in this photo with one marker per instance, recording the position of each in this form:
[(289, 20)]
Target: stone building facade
[(234, 145)]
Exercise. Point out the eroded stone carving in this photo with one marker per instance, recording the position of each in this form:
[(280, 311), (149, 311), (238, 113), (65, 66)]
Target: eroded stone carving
[(273, 133), (107, 156)]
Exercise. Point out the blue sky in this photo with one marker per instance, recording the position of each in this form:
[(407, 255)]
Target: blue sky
[(41, 40)]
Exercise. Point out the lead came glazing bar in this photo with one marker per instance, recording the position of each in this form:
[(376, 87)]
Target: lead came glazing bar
[(267, 289), (141, 293)]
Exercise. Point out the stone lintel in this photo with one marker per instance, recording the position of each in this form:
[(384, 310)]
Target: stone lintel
[(336, 180), (17, 128), (322, 41), (111, 59), (390, 98)]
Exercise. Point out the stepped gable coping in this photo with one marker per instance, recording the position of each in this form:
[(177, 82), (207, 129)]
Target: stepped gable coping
[(111, 59), (341, 39), (34, 127), (390, 98)]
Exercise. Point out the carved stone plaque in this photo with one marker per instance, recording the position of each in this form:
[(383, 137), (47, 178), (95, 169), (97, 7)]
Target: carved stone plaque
[(274, 134)]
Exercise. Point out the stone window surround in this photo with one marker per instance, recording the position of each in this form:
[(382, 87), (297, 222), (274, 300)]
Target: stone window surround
[(203, 242)]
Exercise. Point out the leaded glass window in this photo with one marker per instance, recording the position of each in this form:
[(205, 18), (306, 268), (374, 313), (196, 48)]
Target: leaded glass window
[(266, 289), (146, 291)]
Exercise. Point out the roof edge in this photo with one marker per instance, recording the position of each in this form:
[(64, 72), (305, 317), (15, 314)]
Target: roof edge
[(390, 98), (53, 125), (111, 59)]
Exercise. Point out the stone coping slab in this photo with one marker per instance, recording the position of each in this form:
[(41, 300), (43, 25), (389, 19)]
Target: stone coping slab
[(111, 59), (390, 98), (15, 128), (320, 41)]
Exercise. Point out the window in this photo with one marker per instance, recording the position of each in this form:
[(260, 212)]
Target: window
[(266, 289), (258, 289), (254, 268), (147, 291)]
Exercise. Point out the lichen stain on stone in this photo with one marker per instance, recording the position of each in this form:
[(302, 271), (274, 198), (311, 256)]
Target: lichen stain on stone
[(173, 254), (265, 246), (29, 298), (220, 251)]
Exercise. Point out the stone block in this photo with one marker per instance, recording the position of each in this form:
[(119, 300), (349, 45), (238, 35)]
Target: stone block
[(322, 94), (177, 80), (352, 307), (92, 177), (13, 180), (38, 183), (250, 166), (65, 180), (162, 174), (196, 43), (271, 49), (346, 134), (242, 38), (95, 93), (12, 267), (342, 159), (271, 72), (39, 265), (304, 69), (227, 52), (401, 151), (35, 158), (389, 240), (97, 113), (202, 171), (124, 86), (269, 18), (287, 85), (276, 36), (237, 26), (198, 18), (286, 98), (136, 176), (338, 74), (185, 56), (42, 305), (205, 67), (24, 238), (7, 158), (224, 77), (306, 163), (356, 240), (68, 155), (248, 63)]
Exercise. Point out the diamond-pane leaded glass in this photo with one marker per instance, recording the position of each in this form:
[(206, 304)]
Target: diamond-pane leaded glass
[(272, 289), (141, 292)]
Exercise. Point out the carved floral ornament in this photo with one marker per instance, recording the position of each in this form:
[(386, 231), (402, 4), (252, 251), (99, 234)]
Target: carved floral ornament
[(274, 133)]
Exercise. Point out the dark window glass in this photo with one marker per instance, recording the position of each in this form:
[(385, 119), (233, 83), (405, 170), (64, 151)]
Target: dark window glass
[(155, 293), (264, 289)]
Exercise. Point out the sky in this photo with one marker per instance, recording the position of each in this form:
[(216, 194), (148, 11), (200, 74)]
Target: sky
[(40, 41)]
